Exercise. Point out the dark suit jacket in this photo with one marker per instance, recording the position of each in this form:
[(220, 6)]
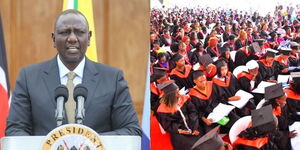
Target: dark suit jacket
[(108, 108)]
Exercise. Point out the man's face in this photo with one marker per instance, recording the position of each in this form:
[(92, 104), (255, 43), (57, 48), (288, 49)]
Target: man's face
[(71, 37), (201, 81)]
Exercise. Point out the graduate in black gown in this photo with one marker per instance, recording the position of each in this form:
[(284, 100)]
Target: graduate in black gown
[(225, 56), (269, 68), (182, 74), (178, 116), (283, 61), (259, 134), (211, 141), (195, 58), (159, 76), (293, 98), (212, 48), (275, 96), (294, 60), (244, 55), (249, 80), (206, 96), (226, 80), (207, 66)]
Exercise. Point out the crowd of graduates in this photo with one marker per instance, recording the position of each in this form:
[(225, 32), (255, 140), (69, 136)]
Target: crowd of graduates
[(202, 57)]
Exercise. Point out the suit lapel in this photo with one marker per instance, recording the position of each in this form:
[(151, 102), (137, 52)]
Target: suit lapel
[(91, 77), (51, 78)]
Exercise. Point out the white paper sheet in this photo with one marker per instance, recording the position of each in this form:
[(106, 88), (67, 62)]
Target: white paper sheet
[(261, 87), (196, 66), (295, 142), (183, 91), (283, 78), (219, 112), (245, 96)]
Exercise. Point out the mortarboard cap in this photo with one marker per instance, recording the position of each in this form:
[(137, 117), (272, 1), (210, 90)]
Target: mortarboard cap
[(197, 74), (176, 57), (168, 87), (295, 75), (263, 119), (158, 73), (285, 50), (209, 141), (224, 49), (274, 91), (271, 52), (255, 47), (206, 60), (252, 64), (260, 41), (231, 37), (294, 45)]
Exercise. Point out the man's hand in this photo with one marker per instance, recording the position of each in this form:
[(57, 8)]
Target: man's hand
[(234, 98), (180, 131), (207, 121), (292, 134), (196, 132)]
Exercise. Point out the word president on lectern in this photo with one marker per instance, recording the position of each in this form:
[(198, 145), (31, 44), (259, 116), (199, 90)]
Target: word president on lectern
[(108, 105)]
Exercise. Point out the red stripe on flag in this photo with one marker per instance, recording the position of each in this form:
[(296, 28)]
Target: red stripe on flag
[(3, 109)]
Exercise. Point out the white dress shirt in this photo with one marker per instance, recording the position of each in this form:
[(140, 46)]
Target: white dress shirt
[(63, 71)]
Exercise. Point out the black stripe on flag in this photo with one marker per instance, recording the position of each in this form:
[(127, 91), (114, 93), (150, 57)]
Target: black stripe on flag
[(3, 60)]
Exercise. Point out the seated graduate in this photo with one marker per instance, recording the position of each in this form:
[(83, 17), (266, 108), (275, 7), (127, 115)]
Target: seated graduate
[(225, 55), (182, 74), (258, 136), (230, 43), (211, 141), (293, 98), (275, 96), (246, 54), (163, 61), (174, 48), (294, 60), (250, 79), (178, 116), (159, 76), (207, 66), (269, 68), (226, 80), (212, 48), (241, 40), (206, 96), (283, 60), (195, 58), (182, 49)]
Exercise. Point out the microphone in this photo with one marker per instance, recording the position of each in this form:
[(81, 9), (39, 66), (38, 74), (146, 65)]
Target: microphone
[(61, 97), (80, 94)]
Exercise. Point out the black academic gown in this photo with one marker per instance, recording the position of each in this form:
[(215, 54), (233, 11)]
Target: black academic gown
[(294, 60), (154, 97), (183, 79), (242, 57), (293, 105), (205, 103), (244, 79), (213, 52), (195, 57), (258, 144), (230, 86), (268, 72), (171, 121)]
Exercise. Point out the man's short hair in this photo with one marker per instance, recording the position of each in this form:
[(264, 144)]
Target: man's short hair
[(71, 11)]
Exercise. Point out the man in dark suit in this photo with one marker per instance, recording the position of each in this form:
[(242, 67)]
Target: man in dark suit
[(108, 107)]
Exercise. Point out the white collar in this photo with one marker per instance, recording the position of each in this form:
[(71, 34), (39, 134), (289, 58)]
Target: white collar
[(63, 70)]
